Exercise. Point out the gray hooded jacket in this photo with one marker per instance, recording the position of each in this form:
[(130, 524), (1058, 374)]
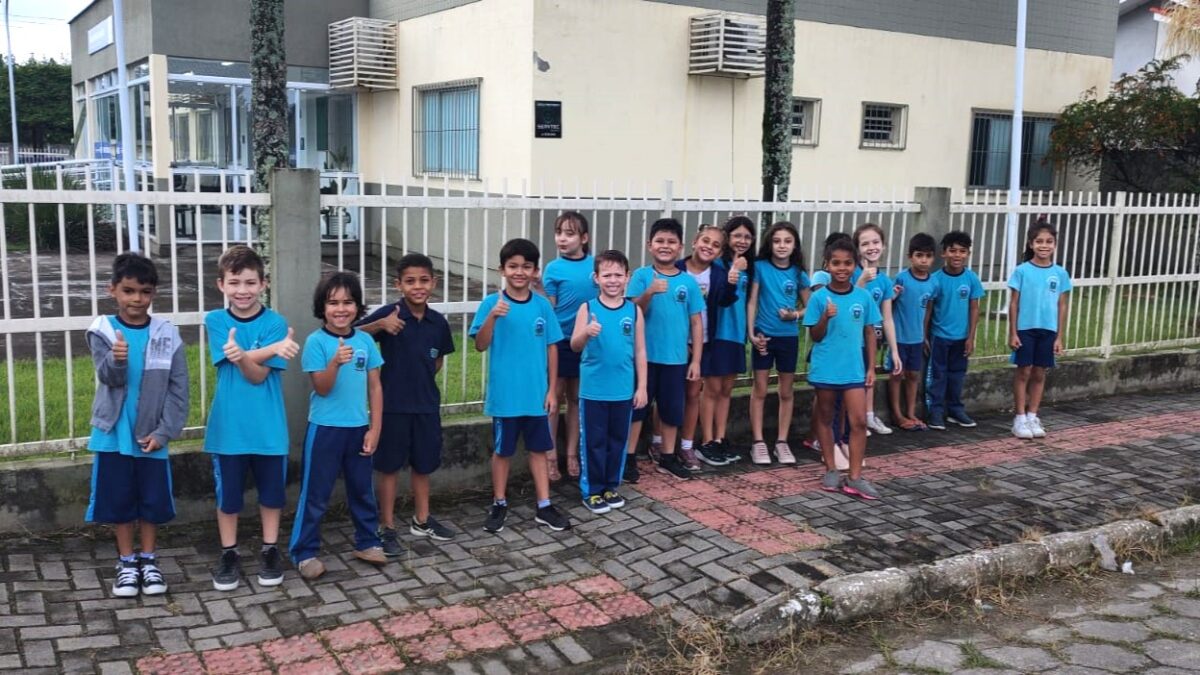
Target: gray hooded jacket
[(162, 407)]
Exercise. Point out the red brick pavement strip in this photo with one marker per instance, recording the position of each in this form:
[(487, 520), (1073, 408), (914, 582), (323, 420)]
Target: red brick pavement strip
[(427, 636), (727, 504)]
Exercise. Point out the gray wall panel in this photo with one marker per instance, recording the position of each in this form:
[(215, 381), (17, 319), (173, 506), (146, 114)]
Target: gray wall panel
[(399, 10), (1074, 26), (1137, 40), (137, 38)]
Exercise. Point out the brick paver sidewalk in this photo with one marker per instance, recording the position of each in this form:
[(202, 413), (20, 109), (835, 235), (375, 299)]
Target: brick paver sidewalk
[(531, 600)]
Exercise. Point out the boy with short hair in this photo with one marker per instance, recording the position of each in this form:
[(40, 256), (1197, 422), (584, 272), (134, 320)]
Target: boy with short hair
[(672, 303), (414, 339), (913, 288), (950, 321), (520, 330), (247, 426), (610, 332), (141, 404)]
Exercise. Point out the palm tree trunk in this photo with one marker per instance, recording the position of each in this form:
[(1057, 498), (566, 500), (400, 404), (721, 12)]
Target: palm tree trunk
[(777, 104), (268, 82)]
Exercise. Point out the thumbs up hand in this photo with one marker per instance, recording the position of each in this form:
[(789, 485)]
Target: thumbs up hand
[(659, 285), (500, 309), (120, 348), (345, 354), (233, 353), (593, 327), (392, 323), (830, 309), (287, 347), (735, 270)]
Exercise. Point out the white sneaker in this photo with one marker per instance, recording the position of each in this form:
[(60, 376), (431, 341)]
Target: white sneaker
[(1035, 426), (841, 457), (875, 424), (1020, 427), (759, 453)]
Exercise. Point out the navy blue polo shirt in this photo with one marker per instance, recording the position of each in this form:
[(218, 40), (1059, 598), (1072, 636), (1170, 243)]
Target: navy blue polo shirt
[(409, 359)]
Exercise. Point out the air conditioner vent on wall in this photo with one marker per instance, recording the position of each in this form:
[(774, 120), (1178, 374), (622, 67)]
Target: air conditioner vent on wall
[(362, 54), (728, 45)]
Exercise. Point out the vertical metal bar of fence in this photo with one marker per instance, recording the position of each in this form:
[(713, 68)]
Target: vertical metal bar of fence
[(37, 308), (66, 305), (446, 258), (144, 222), (360, 234), (10, 365), (466, 284), (1115, 246), (383, 241)]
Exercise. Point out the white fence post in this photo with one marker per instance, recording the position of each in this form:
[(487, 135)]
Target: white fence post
[(667, 199), (1115, 244)]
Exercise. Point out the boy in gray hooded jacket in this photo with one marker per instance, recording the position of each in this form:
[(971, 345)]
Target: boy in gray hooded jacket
[(141, 403)]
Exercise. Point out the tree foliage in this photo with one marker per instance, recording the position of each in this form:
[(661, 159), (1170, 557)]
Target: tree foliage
[(43, 103), (1143, 137)]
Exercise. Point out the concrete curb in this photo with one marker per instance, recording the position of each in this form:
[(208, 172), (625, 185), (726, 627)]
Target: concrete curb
[(855, 596)]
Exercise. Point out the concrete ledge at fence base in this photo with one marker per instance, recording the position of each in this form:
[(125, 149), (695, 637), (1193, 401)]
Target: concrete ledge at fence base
[(41, 495)]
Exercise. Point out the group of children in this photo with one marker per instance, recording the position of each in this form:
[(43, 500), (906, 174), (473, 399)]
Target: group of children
[(610, 341)]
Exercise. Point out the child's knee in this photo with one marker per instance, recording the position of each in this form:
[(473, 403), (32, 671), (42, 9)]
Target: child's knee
[(786, 395)]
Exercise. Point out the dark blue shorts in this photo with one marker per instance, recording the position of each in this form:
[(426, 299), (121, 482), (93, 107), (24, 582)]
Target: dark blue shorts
[(535, 429), (723, 357), (912, 357), (1037, 348), (782, 352), (666, 388), (270, 477), (568, 360), (838, 387), (125, 489), (409, 439)]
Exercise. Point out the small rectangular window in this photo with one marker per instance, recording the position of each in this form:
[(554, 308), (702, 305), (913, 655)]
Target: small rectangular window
[(991, 140), (884, 125), (806, 121), (446, 130)]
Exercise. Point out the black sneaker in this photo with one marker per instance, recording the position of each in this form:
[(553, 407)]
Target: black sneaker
[(710, 453), (389, 543), (271, 572), (153, 582), (228, 574), (670, 465), (551, 518), (128, 582), (631, 474), (614, 499), (431, 528), (731, 455), (495, 519)]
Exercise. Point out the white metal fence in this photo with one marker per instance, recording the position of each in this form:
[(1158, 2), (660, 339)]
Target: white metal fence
[(1134, 260)]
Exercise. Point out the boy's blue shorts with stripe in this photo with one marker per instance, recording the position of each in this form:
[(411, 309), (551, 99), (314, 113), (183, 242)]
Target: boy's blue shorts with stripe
[(125, 489), (270, 478), (535, 429)]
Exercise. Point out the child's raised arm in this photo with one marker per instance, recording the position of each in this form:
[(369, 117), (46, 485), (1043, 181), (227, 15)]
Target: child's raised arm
[(323, 380), (818, 330), (111, 360), (583, 329)]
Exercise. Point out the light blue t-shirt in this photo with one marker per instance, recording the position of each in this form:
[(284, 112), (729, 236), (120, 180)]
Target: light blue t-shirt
[(517, 367), (821, 278), (952, 296), (731, 319), (606, 369), (120, 438), (346, 404), (669, 315), (777, 289), (908, 308), (570, 283), (838, 357), (246, 418), (880, 288), (1040, 289)]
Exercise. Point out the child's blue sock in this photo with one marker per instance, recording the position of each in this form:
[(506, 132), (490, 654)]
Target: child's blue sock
[(543, 503), (129, 558), (500, 502), (147, 556)]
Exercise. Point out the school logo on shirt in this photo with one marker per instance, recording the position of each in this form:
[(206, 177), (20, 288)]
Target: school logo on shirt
[(876, 294), (963, 291), (856, 311), (627, 326), (925, 300), (789, 288), (681, 294), (1052, 282), (360, 359), (433, 352), (539, 326)]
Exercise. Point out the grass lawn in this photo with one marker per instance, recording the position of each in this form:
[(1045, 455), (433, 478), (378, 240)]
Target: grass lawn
[(1143, 314)]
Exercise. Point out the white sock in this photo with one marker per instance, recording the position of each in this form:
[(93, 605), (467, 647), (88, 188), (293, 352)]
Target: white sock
[(1019, 418), (1029, 417), (870, 416), (686, 444), (657, 440)]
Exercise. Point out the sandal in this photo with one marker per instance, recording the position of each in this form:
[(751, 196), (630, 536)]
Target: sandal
[(552, 466), (913, 425), (573, 464)]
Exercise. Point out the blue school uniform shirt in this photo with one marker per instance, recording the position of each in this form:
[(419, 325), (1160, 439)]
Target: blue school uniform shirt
[(908, 308), (820, 278), (669, 314), (570, 283), (777, 289), (409, 373), (838, 357), (517, 360), (606, 368), (952, 296), (346, 403), (880, 289), (731, 320), (120, 438), (246, 418), (1040, 289)]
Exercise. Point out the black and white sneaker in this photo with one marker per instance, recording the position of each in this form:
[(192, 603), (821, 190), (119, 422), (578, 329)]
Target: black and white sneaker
[(670, 465), (551, 518), (431, 528), (271, 572), (227, 576), (614, 499), (152, 579), (389, 542), (128, 581), (631, 474), (710, 453), (495, 520), (731, 456)]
